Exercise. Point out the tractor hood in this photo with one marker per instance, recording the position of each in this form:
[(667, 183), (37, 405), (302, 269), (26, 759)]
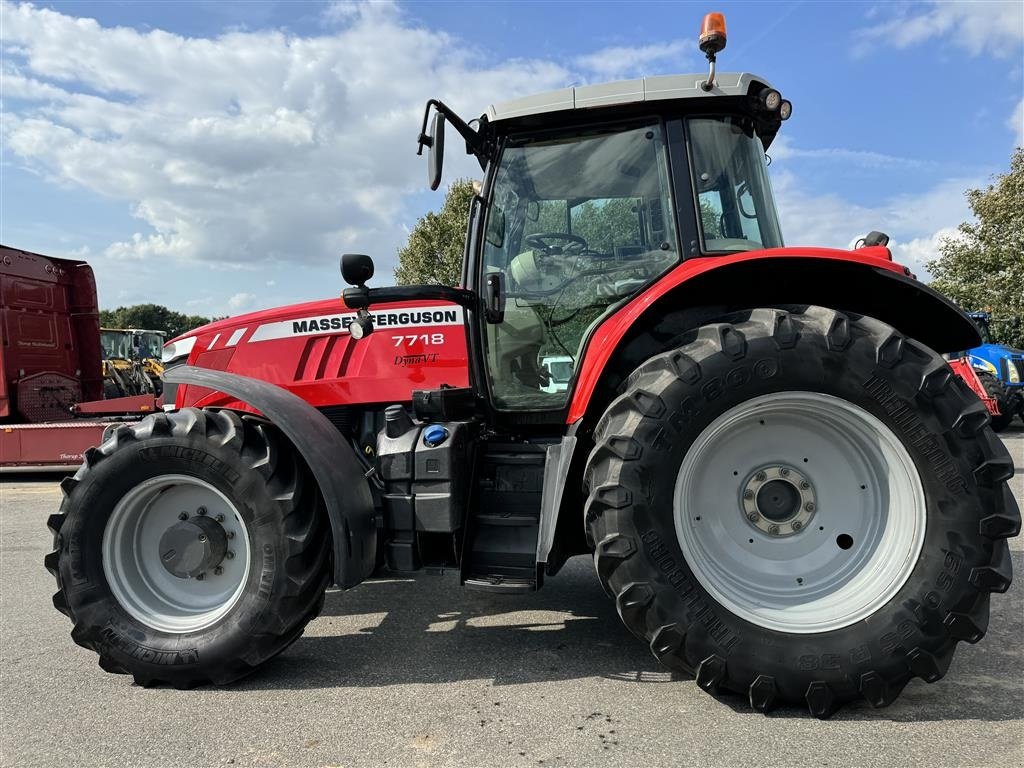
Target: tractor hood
[(307, 348)]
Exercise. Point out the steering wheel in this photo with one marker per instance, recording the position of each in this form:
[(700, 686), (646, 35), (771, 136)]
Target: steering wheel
[(537, 242)]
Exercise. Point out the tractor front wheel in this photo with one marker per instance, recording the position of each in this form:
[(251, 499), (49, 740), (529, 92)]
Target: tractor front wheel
[(801, 507), (994, 388), (190, 548)]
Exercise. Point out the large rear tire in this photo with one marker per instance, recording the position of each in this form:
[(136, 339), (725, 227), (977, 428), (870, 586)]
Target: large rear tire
[(190, 548), (802, 507)]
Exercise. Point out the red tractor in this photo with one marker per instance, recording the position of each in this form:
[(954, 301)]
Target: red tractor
[(785, 489)]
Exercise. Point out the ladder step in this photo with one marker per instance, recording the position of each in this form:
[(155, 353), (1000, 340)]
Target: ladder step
[(508, 586), (506, 519)]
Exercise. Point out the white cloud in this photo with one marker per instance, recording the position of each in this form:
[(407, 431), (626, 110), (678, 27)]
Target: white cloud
[(915, 223), (251, 147), (784, 149), (241, 301), (1016, 124), (634, 61), (996, 28)]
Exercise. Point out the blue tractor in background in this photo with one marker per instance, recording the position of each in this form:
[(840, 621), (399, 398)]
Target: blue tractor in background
[(1001, 371)]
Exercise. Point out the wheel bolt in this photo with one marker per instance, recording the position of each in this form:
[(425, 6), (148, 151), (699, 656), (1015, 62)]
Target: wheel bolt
[(220, 518), (183, 516), (783, 471), (202, 537), (760, 476), (797, 525), (218, 571), (201, 511), (752, 516), (773, 529), (804, 485), (809, 506), (200, 576), (748, 494), (231, 534), (229, 554)]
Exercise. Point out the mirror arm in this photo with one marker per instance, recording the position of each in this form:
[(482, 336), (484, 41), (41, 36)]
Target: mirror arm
[(474, 141)]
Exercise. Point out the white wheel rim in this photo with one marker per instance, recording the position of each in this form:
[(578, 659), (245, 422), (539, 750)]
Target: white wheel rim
[(865, 487), (132, 564)]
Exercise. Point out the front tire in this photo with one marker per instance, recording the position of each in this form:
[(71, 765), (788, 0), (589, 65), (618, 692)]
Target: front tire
[(776, 600), (190, 548), (995, 389)]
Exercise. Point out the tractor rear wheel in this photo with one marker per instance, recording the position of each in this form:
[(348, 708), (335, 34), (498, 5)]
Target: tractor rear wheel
[(190, 548), (803, 507), (995, 389)]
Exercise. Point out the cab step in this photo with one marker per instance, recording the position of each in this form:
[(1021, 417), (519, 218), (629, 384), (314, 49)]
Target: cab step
[(500, 584), (500, 546)]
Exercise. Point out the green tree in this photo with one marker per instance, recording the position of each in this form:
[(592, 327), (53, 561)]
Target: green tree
[(982, 267), (605, 224), (433, 254), (151, 317)]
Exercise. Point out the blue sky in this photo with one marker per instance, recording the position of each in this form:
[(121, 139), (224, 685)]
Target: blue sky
[(216, 157)]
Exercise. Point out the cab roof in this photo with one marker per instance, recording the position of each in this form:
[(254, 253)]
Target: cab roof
[(653, 89)]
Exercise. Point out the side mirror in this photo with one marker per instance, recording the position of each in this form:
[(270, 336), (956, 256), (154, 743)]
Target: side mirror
[(356, 268), (435, 156)]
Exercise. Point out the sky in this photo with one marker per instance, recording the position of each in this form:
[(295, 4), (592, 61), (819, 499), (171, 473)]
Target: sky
[(217, 157)]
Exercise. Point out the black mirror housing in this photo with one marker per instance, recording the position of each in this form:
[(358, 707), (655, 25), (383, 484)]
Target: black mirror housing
[(435, 153), (356, 268)]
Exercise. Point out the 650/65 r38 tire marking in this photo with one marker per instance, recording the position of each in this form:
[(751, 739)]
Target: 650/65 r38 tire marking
[(892, 454), (190, 548)]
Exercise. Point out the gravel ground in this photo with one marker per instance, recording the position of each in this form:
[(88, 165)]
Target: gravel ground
[(408, 672)]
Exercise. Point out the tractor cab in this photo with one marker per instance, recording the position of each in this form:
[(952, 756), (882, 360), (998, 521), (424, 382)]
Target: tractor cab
[(585, 206)]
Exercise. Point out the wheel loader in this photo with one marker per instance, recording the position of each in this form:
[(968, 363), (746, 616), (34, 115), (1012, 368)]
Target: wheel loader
[(786, 492)]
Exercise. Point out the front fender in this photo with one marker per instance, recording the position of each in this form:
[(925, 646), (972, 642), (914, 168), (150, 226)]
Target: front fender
[(331, 460)]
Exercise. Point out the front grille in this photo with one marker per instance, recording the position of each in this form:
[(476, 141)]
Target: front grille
[(343, 417)]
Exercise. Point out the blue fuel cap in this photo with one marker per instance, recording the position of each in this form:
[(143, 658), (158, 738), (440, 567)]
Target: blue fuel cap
[(434, 435)]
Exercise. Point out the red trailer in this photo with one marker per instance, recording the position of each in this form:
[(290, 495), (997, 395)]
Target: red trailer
[(50, 364)]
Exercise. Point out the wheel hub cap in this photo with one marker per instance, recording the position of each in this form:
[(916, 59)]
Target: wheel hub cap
[(193, 546), (779, 501)]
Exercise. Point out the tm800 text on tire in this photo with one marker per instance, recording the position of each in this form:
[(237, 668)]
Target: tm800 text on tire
[(801, 507), (190, 548)]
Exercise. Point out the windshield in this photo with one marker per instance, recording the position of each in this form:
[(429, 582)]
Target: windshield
[(575, 225), (737, 212), (149, 344), (115, 345)]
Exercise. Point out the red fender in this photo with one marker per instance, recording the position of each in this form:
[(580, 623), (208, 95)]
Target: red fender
[(607, 337)]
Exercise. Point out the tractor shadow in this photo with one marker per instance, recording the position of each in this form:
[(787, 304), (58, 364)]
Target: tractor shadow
[(427, 630)]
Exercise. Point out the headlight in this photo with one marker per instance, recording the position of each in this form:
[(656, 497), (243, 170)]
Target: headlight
[(177, 349), (1011, 372)]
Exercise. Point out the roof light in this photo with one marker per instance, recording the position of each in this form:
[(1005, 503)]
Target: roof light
[(712, 33), (785, 109), (711, 41)]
